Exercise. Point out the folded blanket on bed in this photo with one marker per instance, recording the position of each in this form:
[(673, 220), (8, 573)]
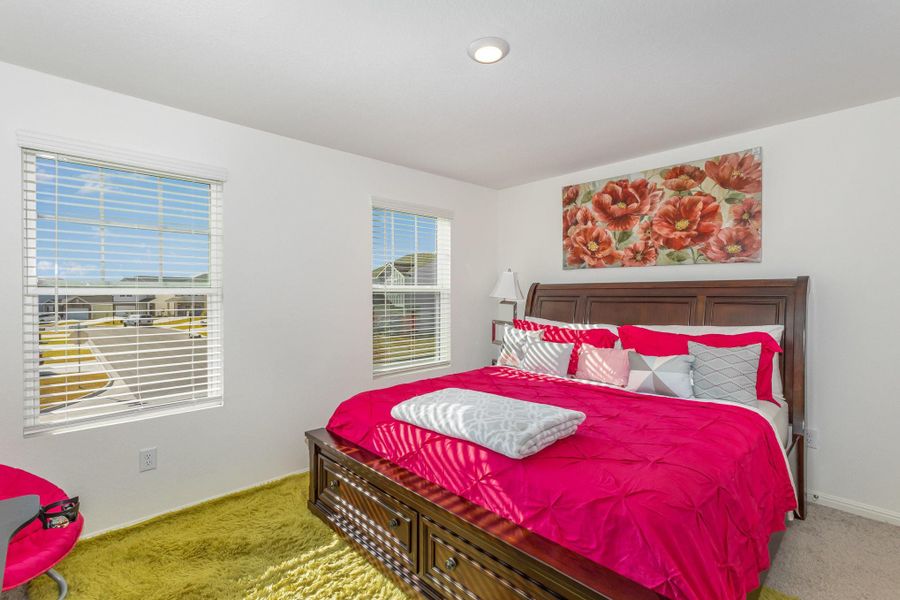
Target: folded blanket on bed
[(514, 428)]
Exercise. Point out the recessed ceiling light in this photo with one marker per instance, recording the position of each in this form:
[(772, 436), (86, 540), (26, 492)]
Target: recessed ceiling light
[(488, 50)]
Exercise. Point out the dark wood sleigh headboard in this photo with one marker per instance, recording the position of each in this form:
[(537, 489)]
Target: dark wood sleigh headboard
[(736, 302)]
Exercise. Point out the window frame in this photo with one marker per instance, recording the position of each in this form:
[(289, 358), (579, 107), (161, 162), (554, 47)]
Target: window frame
[(444, 350), (34, 145)]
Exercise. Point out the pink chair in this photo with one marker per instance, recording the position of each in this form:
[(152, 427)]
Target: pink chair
[(33, 539)]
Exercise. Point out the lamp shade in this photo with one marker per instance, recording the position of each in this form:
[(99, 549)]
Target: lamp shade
[(507, 287)]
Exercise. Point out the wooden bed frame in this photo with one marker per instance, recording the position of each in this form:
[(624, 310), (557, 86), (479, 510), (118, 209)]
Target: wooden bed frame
[(439, 545)]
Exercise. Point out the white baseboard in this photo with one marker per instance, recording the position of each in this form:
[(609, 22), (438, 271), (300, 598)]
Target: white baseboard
[(184, 506), (854, 507)]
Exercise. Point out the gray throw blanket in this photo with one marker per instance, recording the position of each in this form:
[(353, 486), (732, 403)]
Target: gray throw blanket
[(514, 428)]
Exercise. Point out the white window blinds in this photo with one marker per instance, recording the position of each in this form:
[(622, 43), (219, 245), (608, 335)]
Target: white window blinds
[(122, 291), (410, 289)]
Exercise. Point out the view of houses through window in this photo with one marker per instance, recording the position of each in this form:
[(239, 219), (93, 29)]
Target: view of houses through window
[(126, 348), (122, 293), (410, 289)]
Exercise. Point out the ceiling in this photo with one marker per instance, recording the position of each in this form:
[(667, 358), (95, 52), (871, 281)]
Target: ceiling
[(587, 82)]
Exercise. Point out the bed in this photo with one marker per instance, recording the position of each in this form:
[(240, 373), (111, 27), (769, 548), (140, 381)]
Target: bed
[(501, 534)]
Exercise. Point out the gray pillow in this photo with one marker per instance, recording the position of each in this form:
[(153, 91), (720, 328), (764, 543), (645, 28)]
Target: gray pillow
[(547, 357), (725, 373), (514, 342), (660, 375)]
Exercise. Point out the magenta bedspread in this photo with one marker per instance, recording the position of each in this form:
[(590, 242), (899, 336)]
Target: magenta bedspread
[(678, 495)]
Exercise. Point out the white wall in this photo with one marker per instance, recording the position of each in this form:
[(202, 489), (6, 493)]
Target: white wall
[(297, 245), (297, 242), (831, 200)]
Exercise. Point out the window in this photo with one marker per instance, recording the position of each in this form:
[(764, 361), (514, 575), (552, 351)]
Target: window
[(122, 291), (410, 288)]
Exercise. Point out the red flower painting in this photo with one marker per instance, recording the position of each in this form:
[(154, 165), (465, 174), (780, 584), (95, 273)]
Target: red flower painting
[(683, 178), (684, 221), (569, 194), (639, 254), (705, 211), (734, 244), (645, 229), (621, 204), (577, 215), (592, 246), (741, 173), (748, 213)]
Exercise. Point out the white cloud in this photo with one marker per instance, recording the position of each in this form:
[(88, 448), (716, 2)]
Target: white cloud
[(92, 183), (76, 270)]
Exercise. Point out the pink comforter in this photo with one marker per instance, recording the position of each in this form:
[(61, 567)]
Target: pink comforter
[(678, 495)]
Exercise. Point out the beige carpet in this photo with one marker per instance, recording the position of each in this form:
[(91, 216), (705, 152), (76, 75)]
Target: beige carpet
[(833, 555)]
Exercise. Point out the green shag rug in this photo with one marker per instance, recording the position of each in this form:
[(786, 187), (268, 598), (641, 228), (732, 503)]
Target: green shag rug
[(257, 544)]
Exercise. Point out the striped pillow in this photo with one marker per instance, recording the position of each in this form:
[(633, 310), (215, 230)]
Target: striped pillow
[(547, 357), (599, 338), (513, 349)]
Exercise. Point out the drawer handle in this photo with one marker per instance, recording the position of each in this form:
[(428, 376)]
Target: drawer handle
[(334, 484), (394, 523), (450, 564)]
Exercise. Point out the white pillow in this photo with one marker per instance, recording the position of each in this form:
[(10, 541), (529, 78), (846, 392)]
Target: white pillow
[(514, 342), (776, 331), (578, 326), (777, 385), (547, 357)]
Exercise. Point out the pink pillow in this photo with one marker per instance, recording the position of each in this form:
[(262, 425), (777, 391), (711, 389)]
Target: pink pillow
[(606, 365), (599, 338), (661, 343)]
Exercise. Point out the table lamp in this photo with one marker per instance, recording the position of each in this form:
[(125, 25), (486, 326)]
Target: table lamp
[(508, 291)]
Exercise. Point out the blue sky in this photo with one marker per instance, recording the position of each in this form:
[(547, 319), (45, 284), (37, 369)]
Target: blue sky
[(396, 234), (98, 225)]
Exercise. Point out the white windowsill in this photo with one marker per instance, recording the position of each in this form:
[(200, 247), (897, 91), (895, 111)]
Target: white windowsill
[(415, 369), (115, 419)]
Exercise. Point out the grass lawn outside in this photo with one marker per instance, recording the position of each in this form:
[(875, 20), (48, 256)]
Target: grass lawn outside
[(69, 371), (57, 390), (414, 348), (71, 368), (190, 324), (66, 354)]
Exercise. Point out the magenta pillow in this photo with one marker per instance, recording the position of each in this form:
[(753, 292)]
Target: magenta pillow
[(606, 365), (663, 343), (599, 338)]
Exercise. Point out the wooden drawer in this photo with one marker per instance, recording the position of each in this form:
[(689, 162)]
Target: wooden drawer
[(383, 519), (459, 570)]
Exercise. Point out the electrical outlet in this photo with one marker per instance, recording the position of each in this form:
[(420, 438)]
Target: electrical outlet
[(812, 439), (147, 459)]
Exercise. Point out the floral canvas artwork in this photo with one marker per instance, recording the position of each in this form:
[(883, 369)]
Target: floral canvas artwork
[(700, 212)]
